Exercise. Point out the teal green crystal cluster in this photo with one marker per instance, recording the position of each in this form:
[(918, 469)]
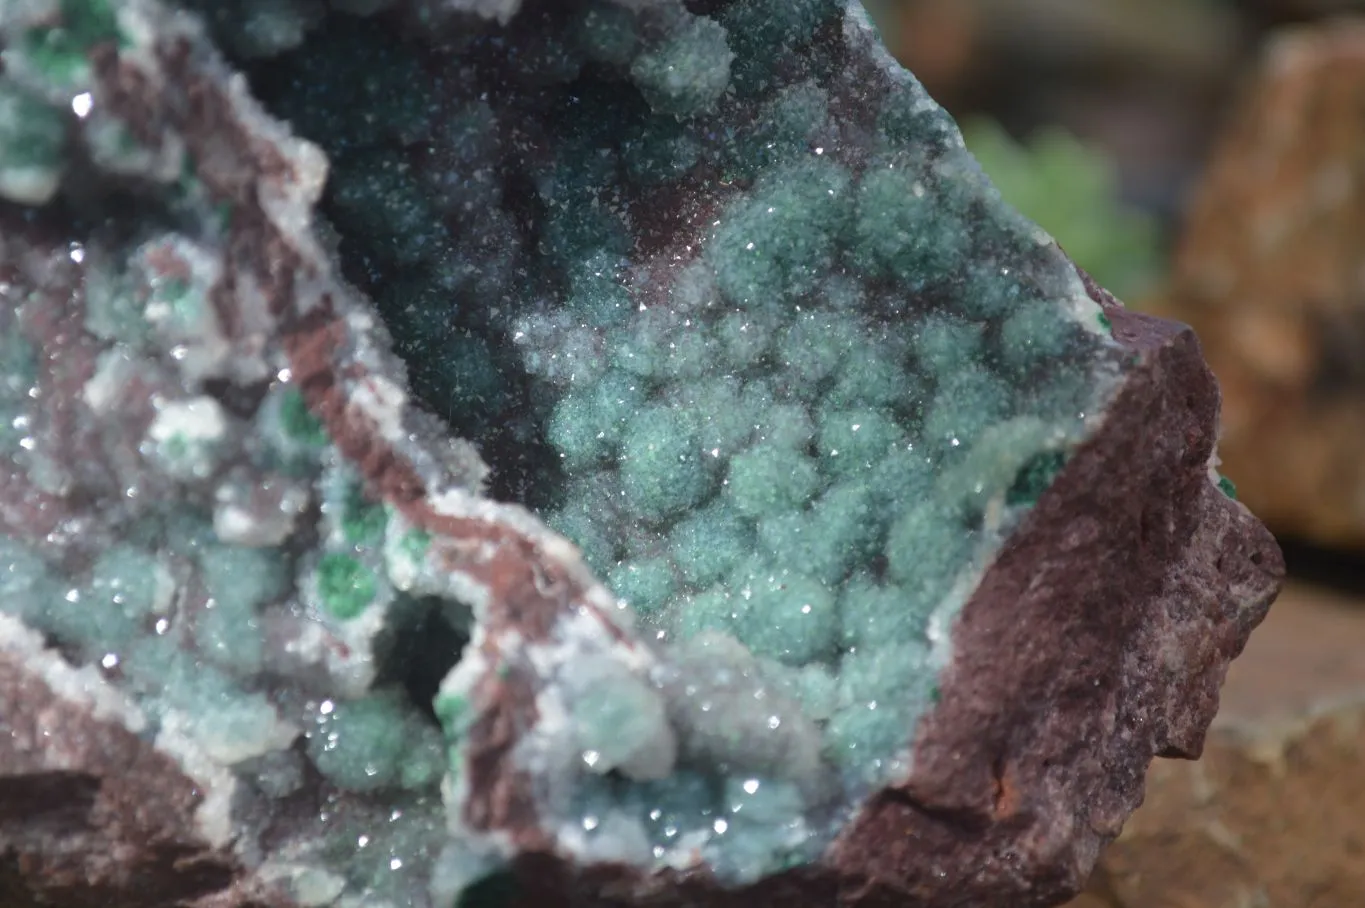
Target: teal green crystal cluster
[(718, 296)]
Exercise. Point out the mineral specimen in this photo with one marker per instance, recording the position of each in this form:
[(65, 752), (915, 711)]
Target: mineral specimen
[(581, 454)]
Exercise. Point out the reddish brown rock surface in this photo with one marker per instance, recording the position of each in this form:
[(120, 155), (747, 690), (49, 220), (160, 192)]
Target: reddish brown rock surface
[(1274, 812), (1134, 656), (1269, 273)]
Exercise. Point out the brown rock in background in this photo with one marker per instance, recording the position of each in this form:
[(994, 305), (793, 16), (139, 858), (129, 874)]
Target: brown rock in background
[(1273, 816), (1271, 273)]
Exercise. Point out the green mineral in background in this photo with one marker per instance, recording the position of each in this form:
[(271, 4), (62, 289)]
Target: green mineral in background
[(1071, 190)]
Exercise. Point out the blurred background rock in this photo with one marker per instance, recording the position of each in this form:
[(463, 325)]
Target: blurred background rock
[(1205, 159)]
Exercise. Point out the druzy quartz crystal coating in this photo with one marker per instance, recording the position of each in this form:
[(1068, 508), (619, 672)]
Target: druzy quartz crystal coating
[(595, 453)]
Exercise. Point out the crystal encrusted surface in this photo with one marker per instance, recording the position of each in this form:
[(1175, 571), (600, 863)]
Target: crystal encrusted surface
[(715, 293), (783, 366)]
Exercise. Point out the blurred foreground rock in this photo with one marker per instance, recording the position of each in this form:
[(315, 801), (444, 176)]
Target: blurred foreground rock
[(1274, 812), (1269, 273)]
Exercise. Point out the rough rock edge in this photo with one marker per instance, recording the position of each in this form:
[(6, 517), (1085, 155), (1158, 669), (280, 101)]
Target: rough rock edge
[(1147, 580)]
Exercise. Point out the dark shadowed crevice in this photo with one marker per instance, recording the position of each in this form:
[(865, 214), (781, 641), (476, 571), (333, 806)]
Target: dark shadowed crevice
[(426, 640), (55, 797), (442, 247)]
